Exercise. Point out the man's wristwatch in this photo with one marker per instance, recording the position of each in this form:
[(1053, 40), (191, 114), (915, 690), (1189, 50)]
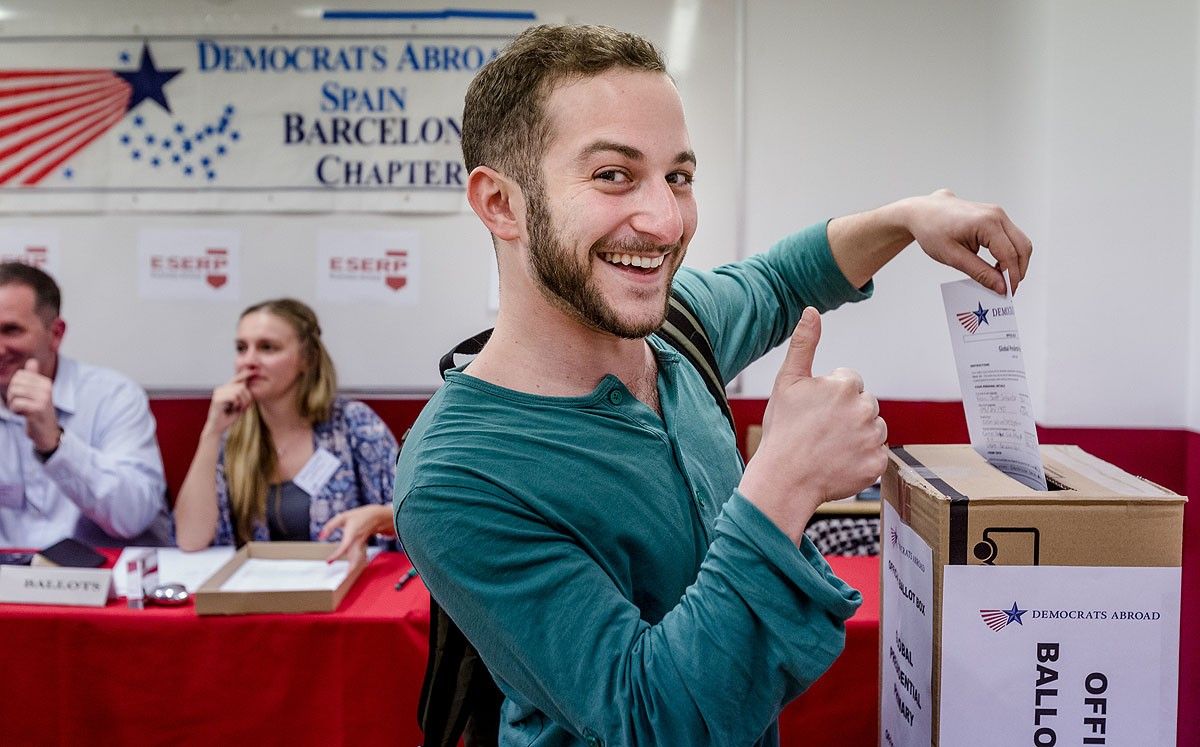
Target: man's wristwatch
[(43, 456)]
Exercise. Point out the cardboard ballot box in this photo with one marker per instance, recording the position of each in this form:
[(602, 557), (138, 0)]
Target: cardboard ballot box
[(316, 590), (1013, 616)]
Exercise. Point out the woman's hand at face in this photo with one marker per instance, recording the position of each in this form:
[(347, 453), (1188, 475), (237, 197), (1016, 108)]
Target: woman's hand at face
[(229, 401)]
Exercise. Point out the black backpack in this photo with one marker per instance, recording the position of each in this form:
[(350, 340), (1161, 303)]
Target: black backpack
[(459, 698)]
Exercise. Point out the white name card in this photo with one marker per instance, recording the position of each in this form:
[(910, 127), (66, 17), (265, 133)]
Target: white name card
[(80, 587)]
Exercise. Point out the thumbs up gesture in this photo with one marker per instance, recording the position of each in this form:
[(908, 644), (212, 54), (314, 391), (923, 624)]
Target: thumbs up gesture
[(30, 395), (822, 437)]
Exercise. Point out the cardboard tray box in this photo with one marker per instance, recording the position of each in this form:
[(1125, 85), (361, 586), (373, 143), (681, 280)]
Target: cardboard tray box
[(1013, 616), (210, 600)]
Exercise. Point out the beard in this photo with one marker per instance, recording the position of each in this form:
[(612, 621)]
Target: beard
[(569, 283)]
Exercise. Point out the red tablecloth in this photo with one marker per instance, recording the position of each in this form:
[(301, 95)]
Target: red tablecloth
[(75, 675)]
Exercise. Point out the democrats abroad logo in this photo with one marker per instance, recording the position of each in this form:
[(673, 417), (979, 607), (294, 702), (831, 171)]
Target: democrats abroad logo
[(998, 620), (48, 116), (970, 320), (894, 539)]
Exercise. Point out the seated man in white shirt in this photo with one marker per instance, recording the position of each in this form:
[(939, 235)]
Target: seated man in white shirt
[(78, 455)]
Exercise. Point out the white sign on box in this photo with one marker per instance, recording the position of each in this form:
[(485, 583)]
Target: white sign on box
[(991, 374), (907, 635), (1049, 655)]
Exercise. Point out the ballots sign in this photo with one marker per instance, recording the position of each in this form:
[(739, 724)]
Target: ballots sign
[(317, 121), (374, 266), (188, 264), (38, 247), (1048, 655), (906, 638)]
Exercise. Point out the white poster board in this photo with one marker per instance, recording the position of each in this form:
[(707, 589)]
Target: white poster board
[(1059, 655), (906, 634)]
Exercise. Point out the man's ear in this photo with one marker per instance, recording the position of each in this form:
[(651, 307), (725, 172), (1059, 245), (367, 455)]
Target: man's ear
[(58, 328), (498, 202)]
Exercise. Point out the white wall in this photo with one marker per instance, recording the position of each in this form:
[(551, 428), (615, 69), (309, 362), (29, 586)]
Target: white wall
[(1079, 117)]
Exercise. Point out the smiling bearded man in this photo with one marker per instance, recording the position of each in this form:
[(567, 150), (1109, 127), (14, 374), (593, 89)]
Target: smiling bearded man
[(574, 498), (570, 285)]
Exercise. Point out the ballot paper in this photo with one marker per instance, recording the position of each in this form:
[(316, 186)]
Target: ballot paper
[(176, 566), (991, 374), (261, 574)]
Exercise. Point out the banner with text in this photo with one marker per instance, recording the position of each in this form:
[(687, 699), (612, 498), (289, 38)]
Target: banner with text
[(263, 123)]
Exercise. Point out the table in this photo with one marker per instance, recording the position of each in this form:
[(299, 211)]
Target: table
[(75, 675)]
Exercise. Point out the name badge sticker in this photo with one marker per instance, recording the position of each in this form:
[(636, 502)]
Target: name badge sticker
[(317, 472)]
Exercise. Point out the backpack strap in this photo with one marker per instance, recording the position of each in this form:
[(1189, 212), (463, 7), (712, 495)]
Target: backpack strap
[(468, 347), (458, 694), (683, 331)]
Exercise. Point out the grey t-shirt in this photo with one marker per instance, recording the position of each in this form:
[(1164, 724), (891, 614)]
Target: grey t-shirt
[(287, 512)]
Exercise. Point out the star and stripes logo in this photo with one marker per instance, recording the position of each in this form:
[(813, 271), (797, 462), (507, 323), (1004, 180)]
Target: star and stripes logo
[(47, 116), (970, 320), (998, 620)]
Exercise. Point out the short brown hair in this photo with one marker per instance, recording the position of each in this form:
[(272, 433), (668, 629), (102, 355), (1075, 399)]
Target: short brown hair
[(504, 118), (47, 296)]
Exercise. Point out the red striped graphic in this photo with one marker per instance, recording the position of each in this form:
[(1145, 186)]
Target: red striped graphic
[(969, 321), (47, 116), (995, 619)]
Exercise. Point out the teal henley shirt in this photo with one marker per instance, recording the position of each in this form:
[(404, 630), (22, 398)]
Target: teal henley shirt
[(599, 557)]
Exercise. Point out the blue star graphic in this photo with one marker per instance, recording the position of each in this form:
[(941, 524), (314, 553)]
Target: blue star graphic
[(68, 173), (1014, 615), (148, 81), (981, 314), (124, 57)]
